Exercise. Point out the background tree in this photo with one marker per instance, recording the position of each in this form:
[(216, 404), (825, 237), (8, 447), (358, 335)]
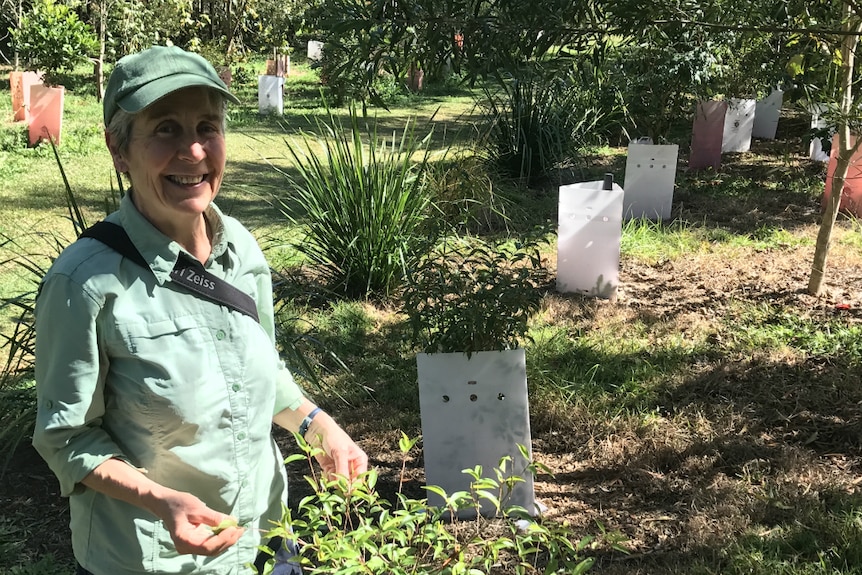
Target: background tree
[(52, 38), (845, 112), (11, 12), (479, 38)]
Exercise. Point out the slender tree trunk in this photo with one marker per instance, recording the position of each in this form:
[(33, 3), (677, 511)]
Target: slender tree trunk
[(846, 148), (20, 17), (100, 63)]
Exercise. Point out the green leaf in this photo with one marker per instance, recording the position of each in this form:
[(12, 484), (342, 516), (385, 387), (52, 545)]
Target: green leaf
[(224, 524)]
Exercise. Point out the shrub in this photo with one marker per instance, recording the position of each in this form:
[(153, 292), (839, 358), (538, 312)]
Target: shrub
[(467, 197), (53, 39), (361, 201), (345, 528), (13, 137), (468, 296)]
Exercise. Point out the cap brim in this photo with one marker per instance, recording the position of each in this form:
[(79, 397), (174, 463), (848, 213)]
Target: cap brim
[(153, 91)]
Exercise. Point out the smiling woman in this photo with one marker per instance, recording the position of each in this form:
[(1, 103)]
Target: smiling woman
[(169, 464), (175, 159)]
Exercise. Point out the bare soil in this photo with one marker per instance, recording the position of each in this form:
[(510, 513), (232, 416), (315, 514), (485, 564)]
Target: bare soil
[(738, 445)]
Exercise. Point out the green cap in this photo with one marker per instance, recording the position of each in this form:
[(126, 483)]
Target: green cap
[(140, 79)]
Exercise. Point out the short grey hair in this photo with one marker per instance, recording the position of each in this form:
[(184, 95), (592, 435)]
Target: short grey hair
[(120, 126)]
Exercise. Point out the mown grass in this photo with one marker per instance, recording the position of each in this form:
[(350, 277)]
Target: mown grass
[(755, 393)]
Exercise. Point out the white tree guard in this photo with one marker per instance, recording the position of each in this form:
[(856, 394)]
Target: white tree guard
[(270, 95), (588, 239), (315, 50), (474, 412), (766, 114), (649, 180), (738, 123)]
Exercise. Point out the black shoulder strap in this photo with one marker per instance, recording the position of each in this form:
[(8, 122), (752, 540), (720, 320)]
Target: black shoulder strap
[(187, 272)]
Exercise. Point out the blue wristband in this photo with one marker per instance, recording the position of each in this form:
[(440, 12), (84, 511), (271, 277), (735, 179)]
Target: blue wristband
[(303, 427)]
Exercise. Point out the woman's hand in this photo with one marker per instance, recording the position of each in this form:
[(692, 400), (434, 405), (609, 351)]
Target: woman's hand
[(188, 520), (194, 527), (341, 455)]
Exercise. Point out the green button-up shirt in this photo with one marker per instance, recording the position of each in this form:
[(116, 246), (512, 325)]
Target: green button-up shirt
[(130, 365)]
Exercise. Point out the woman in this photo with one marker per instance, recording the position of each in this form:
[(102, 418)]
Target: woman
[(155, 403)]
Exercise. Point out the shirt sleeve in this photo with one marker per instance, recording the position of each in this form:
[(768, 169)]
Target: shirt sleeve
[(70, 378), (288, 395)]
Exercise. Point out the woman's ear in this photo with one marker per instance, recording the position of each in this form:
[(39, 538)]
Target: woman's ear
[(120, 163)]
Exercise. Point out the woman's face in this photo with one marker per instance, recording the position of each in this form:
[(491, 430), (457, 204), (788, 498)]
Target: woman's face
[(175, 158)]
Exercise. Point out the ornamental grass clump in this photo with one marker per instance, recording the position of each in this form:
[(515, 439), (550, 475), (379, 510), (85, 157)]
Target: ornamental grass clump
[(350, 528), (361, 202), (539, 121)]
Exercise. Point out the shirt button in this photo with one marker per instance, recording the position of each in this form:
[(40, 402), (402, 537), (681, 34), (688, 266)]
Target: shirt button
[(240, 435), (49, 404), (220, 335), (236, 387)]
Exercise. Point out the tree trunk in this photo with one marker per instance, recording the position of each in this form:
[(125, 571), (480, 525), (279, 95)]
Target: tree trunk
[(100, 63), (846, 149), (20, 15)]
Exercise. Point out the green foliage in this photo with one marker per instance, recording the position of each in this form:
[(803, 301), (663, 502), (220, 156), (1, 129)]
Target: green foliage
[(478, 38), (53, 39), (538, 122), (349, 528), (17, 392), (13, 137), (468, 296), (467, 197), (361, 201), (659, 75)]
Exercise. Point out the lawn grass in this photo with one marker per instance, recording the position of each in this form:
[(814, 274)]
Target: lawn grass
[(754, 392)]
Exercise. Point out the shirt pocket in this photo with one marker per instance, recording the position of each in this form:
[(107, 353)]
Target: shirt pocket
[(168, 361)]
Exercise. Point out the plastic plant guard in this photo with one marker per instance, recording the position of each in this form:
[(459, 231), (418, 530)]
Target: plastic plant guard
[(315, 50), (851, 197), (738, 124), (766, 114), (815, 148), (270, 94), (475, 411), (19, 86), (706, 135), (588, 242), (649, 180), (46, 112)]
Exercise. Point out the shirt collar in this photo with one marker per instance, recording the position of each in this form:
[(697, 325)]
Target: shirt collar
[(160, 251)]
